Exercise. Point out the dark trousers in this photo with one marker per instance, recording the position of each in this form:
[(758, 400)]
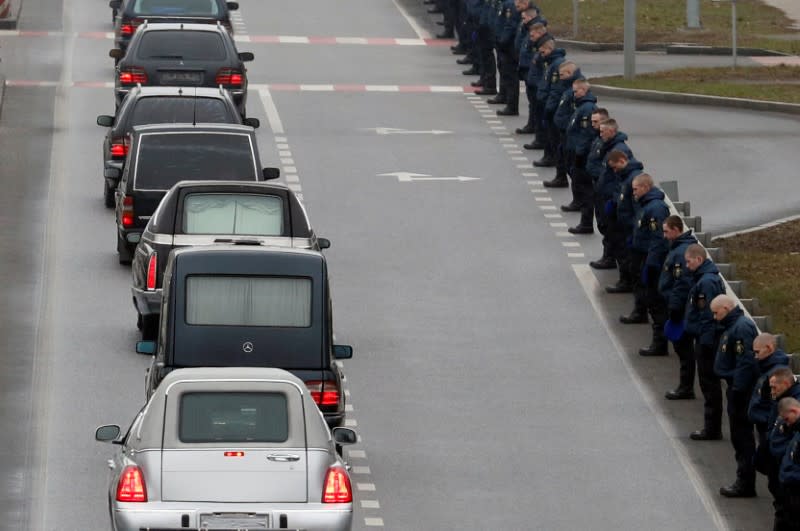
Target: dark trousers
[(583, 190), (792, 498), (684, 348), (742, 436), (541, 123), (509, 76), (530, 93), (710, 386), (603, 220), (486, 63), (773, 465), (450, 12), (635, 264)]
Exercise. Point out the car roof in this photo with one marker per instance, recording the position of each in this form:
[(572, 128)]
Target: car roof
[(186, 92), (229, 250), (187, 26), (250, 185), (200, 127)]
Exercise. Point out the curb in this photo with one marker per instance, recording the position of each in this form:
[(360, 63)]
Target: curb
[(757, 228), (696, 99), (669, 48), (2, 91), (11, 21)]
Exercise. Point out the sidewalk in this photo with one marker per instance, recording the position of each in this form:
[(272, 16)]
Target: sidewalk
[(790, 7)]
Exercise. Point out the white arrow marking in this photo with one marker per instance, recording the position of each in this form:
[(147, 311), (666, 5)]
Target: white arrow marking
[(407, 177), (395, 131)]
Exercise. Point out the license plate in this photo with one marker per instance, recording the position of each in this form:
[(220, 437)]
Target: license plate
[(181, 78), (234, 521)]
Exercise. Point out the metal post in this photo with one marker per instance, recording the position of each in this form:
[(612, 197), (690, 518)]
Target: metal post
[(733, 31), (693, 14), (575, 18), (629, 46)]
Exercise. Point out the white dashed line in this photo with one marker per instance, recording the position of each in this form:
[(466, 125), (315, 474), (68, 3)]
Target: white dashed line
[(558, 225), (348, 408), (282, 146), (285, 152), (350, 423), (516, 159), (539, 191), (356, 454), (552, 216), (547, 207), (535, 183), (361, 470), (366, 487), (370, 504), (287, 160), (290, 169), (513, 151), (521, 166), (373, 522), (291, 178), (564, 234), (544, 199), (576, 255), (570, 244)]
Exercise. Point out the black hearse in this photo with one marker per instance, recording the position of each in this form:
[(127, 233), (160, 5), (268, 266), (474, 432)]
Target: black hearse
[(250, 306), (208, 213)]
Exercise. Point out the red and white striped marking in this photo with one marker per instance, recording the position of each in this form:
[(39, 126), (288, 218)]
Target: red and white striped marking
[(257, 39), (278, 87)]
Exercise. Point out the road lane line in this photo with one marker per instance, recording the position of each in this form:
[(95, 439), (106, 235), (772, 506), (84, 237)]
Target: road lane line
[(419, 30), (593, 290), (272, 112)]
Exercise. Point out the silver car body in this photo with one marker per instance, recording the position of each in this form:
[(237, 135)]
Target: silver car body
[(198, 485)]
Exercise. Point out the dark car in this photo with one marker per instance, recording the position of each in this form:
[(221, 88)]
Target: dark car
[(157, 105), (208, 213), (162, 155), (187, 55), (129, 15), (250, 306)]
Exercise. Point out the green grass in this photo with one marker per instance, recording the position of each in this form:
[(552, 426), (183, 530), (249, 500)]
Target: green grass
[(769, 261), (664, 21), (769, 83)]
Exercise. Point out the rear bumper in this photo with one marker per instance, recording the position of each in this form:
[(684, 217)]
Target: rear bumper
[(147, 302), (169, 515)]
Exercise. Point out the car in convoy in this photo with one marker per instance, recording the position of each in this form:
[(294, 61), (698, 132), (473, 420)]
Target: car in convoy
[(191, 55), (161, 155), (128, 15), (250, 306), (155, 105), (211, 212), (229, 449)]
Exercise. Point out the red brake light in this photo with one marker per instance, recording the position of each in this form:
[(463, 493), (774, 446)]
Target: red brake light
[(337, 486), (119, 148), (131, 487), (127, 29), (233, 454), (133, 75), (230, 77), (152, 266), (127, 211), (324, 393)]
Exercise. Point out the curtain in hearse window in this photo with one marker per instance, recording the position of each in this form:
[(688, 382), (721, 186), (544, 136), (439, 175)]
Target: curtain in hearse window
[(233, 417), (248, 301), (247, 214)]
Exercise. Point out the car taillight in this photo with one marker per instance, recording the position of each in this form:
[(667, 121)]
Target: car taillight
[(131, 487), (337, 486), (127, 211), (231, 453), (119, 148), (229, 77), (152, 266), (127, 30), (324, 393), (133, 75)]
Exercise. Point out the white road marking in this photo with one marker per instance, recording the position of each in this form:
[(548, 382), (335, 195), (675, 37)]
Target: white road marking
[(530, 174), (370, 504), (505, 140), (534, 183), (289, 39), (362, 470), (285, 152), (498, 127), (558, 224), (356, 454), (272, 114), (442, 88), (382, 88), (350, 423), (282, 146), (317, 88), (544, 199), (287, 160), (547, 207), (291, 178), (521, 166), (348, 408), (564, 234), (553, 216), (347, 393), (419, 30), (373, 522), (410, 42), (570, 244), (539, 191), (519, 158), (576, 255), (289, 169), (351, 40), (513, 151), (294, 187), (593, 292), (281, 139), (494, 122), (366, 487)]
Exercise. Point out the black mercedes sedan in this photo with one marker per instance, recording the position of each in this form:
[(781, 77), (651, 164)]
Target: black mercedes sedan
[(213, 212)]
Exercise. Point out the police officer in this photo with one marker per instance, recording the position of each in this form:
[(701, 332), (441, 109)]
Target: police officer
[(620, 169), (553, 57), (700, 325), (508, 25), (487, 67), (788, 451), (595, 168), (673, 285), (580, 135), (537, 35), (525, 51), (560, 106)]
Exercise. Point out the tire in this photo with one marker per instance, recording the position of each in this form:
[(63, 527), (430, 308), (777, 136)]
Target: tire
[(124, 254), (149, 327), (108, 195)]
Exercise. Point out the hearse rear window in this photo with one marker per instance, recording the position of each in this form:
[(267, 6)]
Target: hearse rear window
[(166, 158), (246, 214), (233, 418), (177, 109), (248, 301), (182, 46), (176, 7)]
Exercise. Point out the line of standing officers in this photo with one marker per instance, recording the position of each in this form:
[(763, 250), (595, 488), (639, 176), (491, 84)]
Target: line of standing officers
[(676, 287)]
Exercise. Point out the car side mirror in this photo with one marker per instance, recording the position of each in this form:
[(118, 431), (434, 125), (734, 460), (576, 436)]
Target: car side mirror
[(115, 4), (105, 120), (342, 352), (255, 123), (246, 56), (324, 243), (116, 53), (232, 6), (107, 433), (112, 173), (344, 436), (270, 173), (146, 347)]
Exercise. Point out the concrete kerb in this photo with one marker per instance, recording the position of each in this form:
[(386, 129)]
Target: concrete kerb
[(695, 99), (2, 91), (675, 48), (11, 21)]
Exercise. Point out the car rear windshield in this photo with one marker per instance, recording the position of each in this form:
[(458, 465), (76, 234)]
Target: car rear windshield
[(182, 45), (233, 417), (248, 301), (176, 7), (166, 158), (251, 214), (181, 109)]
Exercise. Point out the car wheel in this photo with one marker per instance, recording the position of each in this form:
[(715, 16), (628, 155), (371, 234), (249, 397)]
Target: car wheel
[(138, 320), (108, 195), (149, 327), (124, 254)]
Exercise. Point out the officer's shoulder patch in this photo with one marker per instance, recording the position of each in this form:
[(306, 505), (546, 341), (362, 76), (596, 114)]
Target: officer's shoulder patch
[(701, 301), (677, 271), (585, 122), (554, 77), (508, 13), (653, 224), (622, 196), (739, 347)]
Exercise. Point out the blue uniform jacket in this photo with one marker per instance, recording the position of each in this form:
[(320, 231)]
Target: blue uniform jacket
[(674, 281), (557, 90), (487, 12), (648, 234), (790, 464), (706, 284), (509, 21), (550, 76), (474, 8), (762, 405), (580, 132), (735, 362), (564, 109), (522, 46), (594, 163), (537, 66), (626, 206), (780, 434)]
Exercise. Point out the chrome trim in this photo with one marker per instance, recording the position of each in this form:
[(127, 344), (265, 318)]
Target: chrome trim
[(283, 458), (208, 239), (160, 239), (230, 380)]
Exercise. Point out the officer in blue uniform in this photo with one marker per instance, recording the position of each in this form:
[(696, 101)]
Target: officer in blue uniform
[(673, 285), (580, 134), (700, 325), (553, 58), (789, 472), (508, 25), (562, 97), (537, 35), (617, 178), (487, 68), (524, 50)]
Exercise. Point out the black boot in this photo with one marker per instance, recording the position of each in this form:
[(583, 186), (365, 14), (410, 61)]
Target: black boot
[(656, 348), (548, 162), (605, 262), (633, 318), (497, 100), (559, 181), (507, 111), (527, 129), (739, 489), (471, 71)]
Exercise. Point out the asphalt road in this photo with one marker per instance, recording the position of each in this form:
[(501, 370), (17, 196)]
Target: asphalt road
[(490, 385)]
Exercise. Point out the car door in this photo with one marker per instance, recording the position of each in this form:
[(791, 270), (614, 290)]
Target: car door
[(234, 442)]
